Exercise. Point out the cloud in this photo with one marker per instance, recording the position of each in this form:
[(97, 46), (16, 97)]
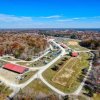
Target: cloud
[(70, 19), (65, 20), (96, 17), (12, 21), (50, 17), (78, 19), (56, 21), (82, 18), (13, 18)]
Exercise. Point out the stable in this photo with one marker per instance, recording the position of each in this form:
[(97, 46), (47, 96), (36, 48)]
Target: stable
[(15, 68)]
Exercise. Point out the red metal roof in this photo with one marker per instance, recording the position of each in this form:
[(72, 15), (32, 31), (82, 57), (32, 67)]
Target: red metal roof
[(74, 54), (16, 68)]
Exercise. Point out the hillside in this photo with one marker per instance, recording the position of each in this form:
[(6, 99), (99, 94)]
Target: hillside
[(22, 46)]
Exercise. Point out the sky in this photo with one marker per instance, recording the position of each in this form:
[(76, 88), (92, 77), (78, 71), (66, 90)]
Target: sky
[(49, 13)]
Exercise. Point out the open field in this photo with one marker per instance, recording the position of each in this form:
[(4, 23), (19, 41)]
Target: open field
[(96, 97), (35, 89), (78, 97), (66, 78), (81, 98), (74, 44), (67, 72), (8, 75), (13, 76), (27, 76), (23, 63), (4, 92)]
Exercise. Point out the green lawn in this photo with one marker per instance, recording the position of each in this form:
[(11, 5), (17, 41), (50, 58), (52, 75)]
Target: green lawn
[(78, 48), (35, 89), (27, 75), (72, 82), (23, 63)]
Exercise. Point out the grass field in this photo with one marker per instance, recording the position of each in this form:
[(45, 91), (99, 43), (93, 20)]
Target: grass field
[(74, 44), (27, 75), (68, 70), (81, 98), (23, 63), (96, 97), (35, 89), (64, 79), (8, 75), (4, 92)]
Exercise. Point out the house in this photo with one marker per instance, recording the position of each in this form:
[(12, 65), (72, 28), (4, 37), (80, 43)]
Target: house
[(15, 68)]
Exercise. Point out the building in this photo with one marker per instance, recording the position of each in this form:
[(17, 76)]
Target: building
[(63, 45), (15, 68), (74, 54)]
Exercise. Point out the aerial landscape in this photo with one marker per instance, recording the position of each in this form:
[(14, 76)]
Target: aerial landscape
[(49, 50)]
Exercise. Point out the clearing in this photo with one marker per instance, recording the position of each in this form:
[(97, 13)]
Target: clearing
[(36, 90), (66, 79), (4, 91), (74, 44)]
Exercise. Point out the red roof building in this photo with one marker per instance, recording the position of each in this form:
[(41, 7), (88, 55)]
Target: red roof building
[(74, 54), (15, 68)]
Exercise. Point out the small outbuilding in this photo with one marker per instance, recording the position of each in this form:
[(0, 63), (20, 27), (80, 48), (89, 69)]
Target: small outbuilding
[(63, 45), (74, 54)]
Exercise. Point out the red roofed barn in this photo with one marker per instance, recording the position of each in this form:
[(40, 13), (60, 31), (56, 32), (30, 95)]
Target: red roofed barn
[(15, 68), (74, 54)]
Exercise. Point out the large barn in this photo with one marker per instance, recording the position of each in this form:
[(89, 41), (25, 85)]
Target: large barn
[(15, 68)]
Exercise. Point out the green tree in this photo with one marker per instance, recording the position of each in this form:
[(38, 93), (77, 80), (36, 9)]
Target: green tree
[(73, 36)]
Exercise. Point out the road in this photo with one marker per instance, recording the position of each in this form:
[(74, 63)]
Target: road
[(45, 53), (82, 84), (39, 74), (17, 87), (42, 70)]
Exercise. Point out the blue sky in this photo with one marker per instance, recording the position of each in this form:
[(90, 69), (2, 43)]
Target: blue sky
[(49, 13)]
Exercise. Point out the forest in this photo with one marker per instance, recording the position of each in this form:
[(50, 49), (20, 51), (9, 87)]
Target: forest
[(22, 46)]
